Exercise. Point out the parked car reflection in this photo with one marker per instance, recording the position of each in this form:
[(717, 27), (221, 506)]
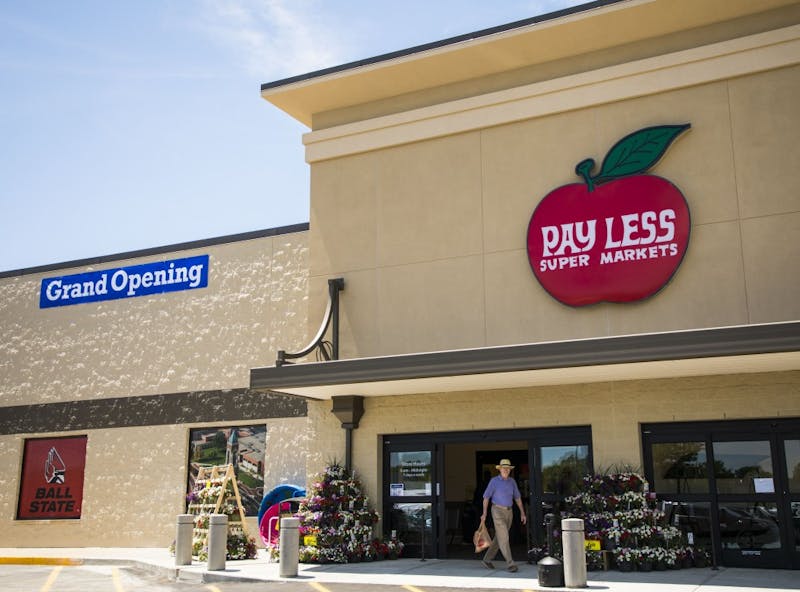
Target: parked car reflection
[(741, 526)]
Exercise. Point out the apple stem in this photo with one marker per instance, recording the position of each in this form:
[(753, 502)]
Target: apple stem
[(584, 169)]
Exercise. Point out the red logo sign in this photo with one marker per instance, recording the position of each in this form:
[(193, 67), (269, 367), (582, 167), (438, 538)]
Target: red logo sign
[(52, 478), (617, 237)]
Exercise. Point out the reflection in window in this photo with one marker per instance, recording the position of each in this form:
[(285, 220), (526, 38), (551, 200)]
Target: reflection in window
[(410, 521), (693, 519), (680, 467), (563, 468), (793, 465), (737, 466), (749, 526), (410, 473)]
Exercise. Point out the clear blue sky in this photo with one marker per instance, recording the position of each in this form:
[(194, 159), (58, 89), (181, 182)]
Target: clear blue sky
[(126, 125)]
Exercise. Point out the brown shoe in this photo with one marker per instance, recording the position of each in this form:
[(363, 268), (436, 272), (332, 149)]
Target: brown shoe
[(513, 568), (487, 564)]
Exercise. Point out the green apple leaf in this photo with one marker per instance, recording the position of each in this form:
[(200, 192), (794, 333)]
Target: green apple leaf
[(633, 154), (637, 152)]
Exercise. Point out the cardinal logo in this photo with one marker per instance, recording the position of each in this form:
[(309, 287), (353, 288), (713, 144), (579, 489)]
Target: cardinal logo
[(55, 471)]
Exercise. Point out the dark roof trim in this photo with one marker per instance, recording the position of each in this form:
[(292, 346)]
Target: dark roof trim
[(150, 410), (198, 244), (679, 345), (437, 44)]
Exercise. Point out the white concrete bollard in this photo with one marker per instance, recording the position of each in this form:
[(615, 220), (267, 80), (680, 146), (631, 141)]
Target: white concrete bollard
[(217, 541), (183, 539), (289, 547), (573, 542)]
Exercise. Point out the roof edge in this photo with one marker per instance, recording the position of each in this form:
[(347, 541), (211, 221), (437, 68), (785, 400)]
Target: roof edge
[(196, 244), (438, 44)]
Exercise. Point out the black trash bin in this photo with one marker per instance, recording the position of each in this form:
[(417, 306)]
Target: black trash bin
[(551, 570)]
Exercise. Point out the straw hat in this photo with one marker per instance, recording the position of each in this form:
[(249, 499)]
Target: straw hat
[(504, 464)]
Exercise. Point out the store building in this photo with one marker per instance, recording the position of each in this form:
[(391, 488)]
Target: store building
[(471, 300), (490, 312), (120, 374)]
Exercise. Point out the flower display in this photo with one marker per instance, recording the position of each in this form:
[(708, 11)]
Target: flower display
[(216, 494), (620, 510), (337, 522)]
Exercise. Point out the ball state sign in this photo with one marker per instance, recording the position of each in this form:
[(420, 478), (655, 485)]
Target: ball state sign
[(618, 236), (51, 483)]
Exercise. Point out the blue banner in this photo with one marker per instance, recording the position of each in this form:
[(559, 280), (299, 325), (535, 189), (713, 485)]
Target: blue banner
[(125, 282)]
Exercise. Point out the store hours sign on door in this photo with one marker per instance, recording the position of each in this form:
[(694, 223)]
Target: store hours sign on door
[(618, 236)]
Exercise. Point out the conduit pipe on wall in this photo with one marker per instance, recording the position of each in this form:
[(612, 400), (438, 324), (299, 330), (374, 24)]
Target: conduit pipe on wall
[(326, 351)]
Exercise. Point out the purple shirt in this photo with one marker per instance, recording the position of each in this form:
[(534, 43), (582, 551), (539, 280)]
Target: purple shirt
[(501, 491)]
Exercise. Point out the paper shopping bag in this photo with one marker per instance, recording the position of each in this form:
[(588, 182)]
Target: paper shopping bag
[(481, 538)]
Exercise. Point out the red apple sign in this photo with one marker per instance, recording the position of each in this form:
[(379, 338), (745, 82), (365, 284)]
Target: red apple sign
[(617, 237)]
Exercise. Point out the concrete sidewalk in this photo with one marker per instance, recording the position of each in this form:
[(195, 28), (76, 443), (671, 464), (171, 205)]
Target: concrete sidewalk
[(449, 573)]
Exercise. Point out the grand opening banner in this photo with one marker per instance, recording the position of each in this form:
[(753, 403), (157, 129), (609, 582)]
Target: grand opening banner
[(125, 282), (51, 486)]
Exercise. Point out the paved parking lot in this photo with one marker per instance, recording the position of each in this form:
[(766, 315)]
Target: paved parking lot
[(139, 569), (105, 578)]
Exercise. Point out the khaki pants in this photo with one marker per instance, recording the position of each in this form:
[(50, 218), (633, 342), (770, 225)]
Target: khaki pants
[(502, 518)]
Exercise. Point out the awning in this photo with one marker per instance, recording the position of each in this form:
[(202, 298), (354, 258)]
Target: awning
[(773, 347)]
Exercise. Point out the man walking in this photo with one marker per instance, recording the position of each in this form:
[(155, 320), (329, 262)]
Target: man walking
[(503, 492)]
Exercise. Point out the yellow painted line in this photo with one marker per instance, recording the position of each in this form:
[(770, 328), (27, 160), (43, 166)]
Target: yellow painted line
[(39, 561), (213, 588), (412, 588), (116, 579), (318, 587), (52, 578)]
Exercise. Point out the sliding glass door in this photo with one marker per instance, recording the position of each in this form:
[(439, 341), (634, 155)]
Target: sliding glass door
[(733, 487)]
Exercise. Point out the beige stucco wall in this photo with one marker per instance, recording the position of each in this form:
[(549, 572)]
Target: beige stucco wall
[(202, 339), (430, 236), (198, 340), (135, 485), (421, 202), (614, 410)]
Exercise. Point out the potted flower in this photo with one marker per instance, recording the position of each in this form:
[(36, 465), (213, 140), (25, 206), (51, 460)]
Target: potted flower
[(680, 557), (308, 554), (645, 562), (688, 557), (394, 548), (625, 558), (702, 558), (659, 558), (240, 546), (672, 559)]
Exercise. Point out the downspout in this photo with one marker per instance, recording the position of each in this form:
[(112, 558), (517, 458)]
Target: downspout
[(348, 409)]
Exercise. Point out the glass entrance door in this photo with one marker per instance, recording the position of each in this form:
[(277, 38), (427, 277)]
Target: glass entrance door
[(434, 508), (410, 471), (748, 518), (790, 447), (732, 486)]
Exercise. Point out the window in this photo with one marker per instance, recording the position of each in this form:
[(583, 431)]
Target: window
[(743, 467), (792, 448), (680, 467), (563, 467)]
